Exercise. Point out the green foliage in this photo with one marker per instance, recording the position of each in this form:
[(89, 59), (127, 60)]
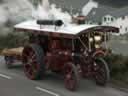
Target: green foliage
[(119, 66), (12, 40)]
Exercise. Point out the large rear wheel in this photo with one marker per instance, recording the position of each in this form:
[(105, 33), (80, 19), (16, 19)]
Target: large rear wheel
[(102, 73), (33, 63), (71, 76)]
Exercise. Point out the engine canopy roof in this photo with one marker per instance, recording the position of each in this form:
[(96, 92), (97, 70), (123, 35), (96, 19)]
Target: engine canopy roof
[(67, 30)]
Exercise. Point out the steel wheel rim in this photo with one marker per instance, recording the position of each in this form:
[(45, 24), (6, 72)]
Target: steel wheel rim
[(30, 63)]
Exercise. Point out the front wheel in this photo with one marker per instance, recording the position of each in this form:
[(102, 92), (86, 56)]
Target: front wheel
[(101, 72), (71, 76)]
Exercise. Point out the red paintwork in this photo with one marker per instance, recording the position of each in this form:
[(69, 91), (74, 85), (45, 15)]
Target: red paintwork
[(57, 54), (29, 69), (99, 53), (69, 77)]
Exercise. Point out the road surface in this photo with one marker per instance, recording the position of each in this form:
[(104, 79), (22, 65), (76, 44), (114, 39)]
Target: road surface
[(14, 83)]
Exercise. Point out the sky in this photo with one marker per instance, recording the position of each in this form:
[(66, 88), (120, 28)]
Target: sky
[(114, 3)]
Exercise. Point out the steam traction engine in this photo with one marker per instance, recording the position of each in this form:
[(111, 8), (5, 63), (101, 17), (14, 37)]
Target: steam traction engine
[(71, 50)]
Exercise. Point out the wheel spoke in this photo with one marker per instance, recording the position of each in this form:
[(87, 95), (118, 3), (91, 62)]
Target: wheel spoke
[(71, 76), (34, 66), (25, 55), (30, 62), (101, 72), (30, 71), (70, 80), (33, 56)]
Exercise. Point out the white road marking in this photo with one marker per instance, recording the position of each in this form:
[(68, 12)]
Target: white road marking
[(5, 76), (47, 91)]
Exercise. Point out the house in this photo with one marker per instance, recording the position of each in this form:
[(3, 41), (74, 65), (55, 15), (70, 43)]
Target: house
[(117, 18), (104, 15), (96, 14)]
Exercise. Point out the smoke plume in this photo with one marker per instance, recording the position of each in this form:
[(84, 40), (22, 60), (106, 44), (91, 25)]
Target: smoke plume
[(88, 7), (47, 11), (12, 12)]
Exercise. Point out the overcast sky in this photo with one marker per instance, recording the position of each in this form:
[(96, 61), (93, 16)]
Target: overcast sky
[(81, 3), (114, 3)]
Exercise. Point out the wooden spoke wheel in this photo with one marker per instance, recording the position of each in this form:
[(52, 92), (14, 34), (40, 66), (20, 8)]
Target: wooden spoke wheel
[(32, 58), (71, 76), (102, 73)]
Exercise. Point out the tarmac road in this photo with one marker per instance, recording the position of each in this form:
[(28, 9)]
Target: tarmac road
[(14, 83)]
